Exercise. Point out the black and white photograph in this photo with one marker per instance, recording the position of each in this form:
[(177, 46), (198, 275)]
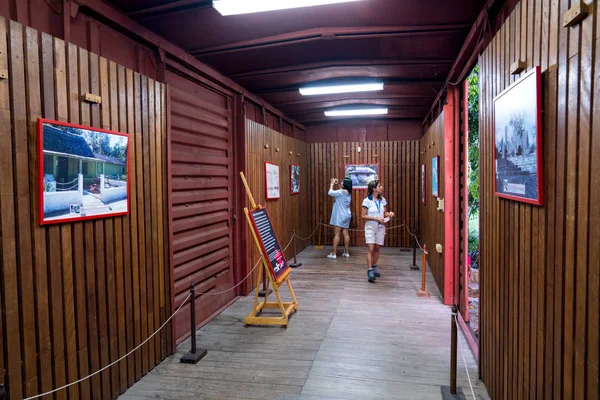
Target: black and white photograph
[(518, 172)]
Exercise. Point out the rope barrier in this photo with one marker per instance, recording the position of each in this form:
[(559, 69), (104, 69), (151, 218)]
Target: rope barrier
[(462, 351), (361, 230), (311, 235), (114, 362), (149, 337)]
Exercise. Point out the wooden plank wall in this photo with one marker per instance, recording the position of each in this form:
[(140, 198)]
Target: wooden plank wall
[(290, 211), (76, 297), (432, 144), (540, 265), (398, 174)]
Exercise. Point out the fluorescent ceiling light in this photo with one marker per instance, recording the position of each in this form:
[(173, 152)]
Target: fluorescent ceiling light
[(361, 111), (357, 87), (234, 7)]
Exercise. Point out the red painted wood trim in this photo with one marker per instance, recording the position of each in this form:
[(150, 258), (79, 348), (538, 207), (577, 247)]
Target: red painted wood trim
[(456, 193), (473, 343), (449, 199), (465, 310)]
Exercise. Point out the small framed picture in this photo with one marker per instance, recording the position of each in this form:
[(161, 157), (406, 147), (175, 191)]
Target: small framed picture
[(362, 174), (294, 179), (435, 176), (423, 184), (272, 181)]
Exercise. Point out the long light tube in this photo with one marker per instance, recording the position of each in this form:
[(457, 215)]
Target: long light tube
[(362, 111), (350, 88), (235, 7)]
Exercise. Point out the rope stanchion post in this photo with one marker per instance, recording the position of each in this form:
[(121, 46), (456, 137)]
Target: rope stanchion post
[(296, 264), (319, 247), (453, 351), (414, 265), (2, 393), (195, 354), (423, 292)]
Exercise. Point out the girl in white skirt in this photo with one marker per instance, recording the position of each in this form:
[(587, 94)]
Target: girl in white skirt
[(374, 211)]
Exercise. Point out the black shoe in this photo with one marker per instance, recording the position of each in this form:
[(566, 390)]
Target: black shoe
[(371, 275), (376, 271)]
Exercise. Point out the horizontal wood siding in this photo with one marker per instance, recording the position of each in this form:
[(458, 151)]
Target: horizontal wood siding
[(540, 264), (202, 200), (289, 212), (72, 298), (398, 174), (432, 224)]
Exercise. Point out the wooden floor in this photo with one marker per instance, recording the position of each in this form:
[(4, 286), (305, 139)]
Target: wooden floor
[(349, 340)]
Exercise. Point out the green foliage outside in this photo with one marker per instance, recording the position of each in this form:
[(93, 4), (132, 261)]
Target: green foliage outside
[(473, 81)]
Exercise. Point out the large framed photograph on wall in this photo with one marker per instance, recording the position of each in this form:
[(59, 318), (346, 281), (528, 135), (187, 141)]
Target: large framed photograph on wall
[(272, 180), (518, 140), (361, 174), (83, 172)]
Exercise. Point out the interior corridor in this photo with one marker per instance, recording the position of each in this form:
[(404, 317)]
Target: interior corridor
[(350, 339)]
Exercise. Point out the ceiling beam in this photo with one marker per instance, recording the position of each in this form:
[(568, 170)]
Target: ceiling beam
[(344, 63), (329, 33), (478, 38), (323, 105), (169, 8), (115, 18), (391, 109)]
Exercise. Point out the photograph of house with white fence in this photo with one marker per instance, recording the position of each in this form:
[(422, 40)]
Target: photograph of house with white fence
[(83, 172)]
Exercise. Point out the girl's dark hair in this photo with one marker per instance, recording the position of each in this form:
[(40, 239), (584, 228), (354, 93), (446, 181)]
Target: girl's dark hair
[(372, 185), (347, 184)]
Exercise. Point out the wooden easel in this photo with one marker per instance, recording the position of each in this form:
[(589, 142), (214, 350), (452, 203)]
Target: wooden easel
[(285, 308)]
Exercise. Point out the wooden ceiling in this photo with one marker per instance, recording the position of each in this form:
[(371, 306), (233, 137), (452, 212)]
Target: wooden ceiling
[(410, 45)]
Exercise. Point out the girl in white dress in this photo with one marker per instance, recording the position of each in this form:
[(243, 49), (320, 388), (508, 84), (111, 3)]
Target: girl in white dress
[(340, 215)]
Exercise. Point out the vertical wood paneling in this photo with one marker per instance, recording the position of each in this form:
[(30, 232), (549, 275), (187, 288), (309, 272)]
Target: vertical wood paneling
[(548, 265), (432, 225), (289, 212), (68, 297), (397, 169)]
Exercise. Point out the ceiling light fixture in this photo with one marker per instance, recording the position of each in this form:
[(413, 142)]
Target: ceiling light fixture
[(359, 111), (235, 7), (351, 88)]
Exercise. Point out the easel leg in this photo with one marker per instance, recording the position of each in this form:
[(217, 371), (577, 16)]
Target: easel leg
[(293, 295), (281, 307)]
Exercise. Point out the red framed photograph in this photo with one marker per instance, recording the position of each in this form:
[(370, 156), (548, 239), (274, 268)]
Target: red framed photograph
[(423, 183), (361, 174), (83, 172), (294, 179), (518, 170), (272, 181)]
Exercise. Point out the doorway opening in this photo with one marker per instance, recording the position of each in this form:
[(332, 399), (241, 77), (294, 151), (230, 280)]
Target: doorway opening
[(470, 197)]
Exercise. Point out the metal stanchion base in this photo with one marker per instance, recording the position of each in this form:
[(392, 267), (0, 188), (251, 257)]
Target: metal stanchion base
[(193, 358), (295, 265), (446, 395), (423, 293), (261, 293), (415, 268)]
